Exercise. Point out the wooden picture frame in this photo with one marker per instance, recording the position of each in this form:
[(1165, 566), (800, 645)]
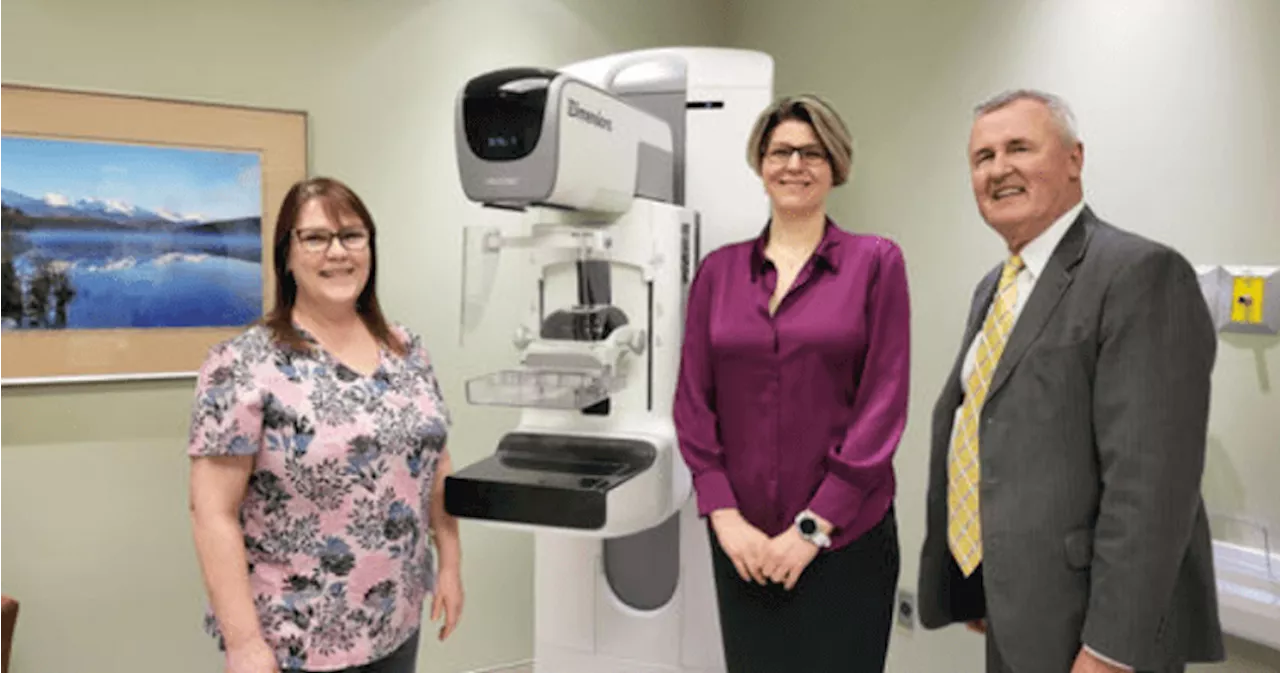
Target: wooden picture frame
[(40, 344)]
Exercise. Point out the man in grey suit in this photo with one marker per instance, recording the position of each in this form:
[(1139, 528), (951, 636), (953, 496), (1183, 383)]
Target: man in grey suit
[(1064, 512)]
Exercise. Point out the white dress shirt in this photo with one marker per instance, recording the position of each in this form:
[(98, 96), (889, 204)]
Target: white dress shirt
[(1035, 256)]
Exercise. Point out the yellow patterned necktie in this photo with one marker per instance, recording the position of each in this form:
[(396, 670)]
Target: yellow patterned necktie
[(964, 532)]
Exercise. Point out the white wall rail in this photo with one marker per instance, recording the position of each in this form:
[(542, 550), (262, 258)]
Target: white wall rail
[(1248, 572)]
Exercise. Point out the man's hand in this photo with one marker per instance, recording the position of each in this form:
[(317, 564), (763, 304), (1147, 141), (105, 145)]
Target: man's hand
[(447, 600), (743, 543), (1086, 662), (786, 556)]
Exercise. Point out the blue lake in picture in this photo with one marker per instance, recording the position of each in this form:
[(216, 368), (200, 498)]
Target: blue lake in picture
[(139, 279), (107, 235)]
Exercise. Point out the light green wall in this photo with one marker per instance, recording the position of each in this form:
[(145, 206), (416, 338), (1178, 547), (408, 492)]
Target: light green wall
[(1177, 101), (97, 541), (1181, 144)]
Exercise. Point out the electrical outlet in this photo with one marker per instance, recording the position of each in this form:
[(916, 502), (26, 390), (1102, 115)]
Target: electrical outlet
[(905, 609)]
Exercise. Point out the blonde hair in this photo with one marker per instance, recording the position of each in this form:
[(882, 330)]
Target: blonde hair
[(818, 114)]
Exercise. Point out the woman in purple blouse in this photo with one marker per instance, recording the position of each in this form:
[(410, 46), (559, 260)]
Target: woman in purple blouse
[(791, 401), (318, 463)]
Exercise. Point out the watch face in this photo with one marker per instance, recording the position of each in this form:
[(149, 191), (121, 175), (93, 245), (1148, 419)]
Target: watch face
[(808, 527)]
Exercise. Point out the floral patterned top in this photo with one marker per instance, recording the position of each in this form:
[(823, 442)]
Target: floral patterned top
[(335, 516)]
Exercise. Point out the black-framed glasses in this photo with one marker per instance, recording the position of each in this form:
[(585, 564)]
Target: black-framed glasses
[(319, 240), (809, 154)]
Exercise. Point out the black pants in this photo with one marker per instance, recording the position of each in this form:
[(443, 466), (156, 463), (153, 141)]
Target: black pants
[(836, 619), (403, 660)]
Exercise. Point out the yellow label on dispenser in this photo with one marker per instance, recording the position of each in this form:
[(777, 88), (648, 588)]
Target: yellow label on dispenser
[(1246, 300)]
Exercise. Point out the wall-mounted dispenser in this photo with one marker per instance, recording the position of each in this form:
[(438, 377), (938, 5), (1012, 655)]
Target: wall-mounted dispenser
[(1244, 299)]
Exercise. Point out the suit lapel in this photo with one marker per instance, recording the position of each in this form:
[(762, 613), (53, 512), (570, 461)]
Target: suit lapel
[(1048, 291), (952, 391), (977, 315)]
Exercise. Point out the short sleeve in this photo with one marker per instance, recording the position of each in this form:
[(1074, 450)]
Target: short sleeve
[(226, 419), (420, 359)]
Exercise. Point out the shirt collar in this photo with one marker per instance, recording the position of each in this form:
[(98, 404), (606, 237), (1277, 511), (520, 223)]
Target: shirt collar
[(825, 253), (1035, 255)]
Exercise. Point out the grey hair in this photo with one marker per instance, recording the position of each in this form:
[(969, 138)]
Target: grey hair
[(1058, 109)]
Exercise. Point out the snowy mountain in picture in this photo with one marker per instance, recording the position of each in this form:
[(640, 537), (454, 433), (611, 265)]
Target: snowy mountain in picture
[(114, 210)]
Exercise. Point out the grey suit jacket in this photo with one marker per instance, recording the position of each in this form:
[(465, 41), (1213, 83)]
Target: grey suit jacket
[(1092, 445)]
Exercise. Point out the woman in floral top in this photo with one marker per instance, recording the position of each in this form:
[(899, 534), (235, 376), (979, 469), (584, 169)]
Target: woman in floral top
[(318, 457)]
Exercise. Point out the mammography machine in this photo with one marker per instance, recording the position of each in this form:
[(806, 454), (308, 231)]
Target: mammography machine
[(624, 171)]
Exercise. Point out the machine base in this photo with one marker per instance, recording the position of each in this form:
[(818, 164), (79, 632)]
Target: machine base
[(583, 624), (568, 661)]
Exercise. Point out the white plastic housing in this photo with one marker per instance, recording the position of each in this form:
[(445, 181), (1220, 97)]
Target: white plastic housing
[(598, 154), (536, 138)]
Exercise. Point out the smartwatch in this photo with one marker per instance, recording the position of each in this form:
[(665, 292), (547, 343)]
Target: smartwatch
[(809, 530)]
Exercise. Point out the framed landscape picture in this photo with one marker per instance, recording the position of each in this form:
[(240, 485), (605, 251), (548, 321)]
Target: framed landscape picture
[(136, 232)]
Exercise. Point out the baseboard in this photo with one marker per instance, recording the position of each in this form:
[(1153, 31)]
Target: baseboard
[(1248, 592), (522, 666)]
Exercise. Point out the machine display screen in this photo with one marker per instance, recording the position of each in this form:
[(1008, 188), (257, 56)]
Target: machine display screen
[(500, 142), (503, 112)]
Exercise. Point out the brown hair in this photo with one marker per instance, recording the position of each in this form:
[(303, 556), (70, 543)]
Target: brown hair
[(817, 113), (337, 199)]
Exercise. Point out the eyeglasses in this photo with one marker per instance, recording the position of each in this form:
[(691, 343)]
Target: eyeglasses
[(319, 240), (809, 154)]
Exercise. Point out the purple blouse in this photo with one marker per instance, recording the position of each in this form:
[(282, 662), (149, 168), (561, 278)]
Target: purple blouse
[(805, 408)]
